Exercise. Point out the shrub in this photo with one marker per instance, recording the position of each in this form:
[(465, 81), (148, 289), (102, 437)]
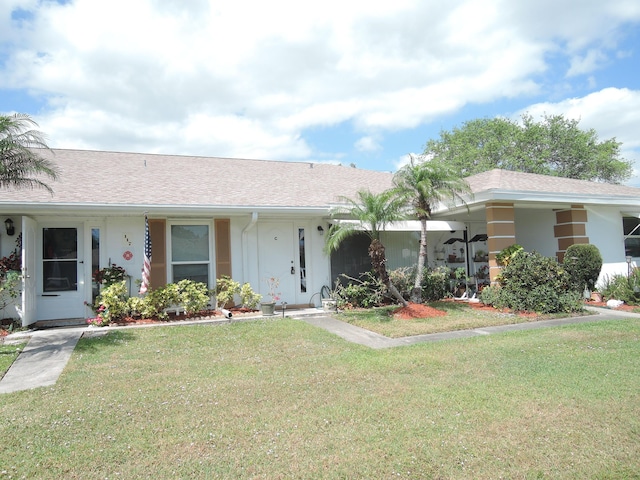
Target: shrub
[(621, 287), (10, 284), (435, 284), (226, 289), (583, 262), (248, 297), (109, 275), (111, 305), (505, 256), (534, 283), (193, 296), (158, 300), (366, 291), (403, 279)]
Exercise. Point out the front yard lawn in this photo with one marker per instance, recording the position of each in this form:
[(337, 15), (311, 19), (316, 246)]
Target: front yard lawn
[(283, 399), (459, 316)]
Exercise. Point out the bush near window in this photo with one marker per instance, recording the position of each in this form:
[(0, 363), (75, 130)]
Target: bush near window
[(113, 304), (534, 283), (583, 262)]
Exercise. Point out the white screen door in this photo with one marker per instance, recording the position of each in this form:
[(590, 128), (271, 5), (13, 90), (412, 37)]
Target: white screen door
[(60, 285)]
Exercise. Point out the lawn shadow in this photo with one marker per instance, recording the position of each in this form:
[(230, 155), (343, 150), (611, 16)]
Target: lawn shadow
[(100, 339)]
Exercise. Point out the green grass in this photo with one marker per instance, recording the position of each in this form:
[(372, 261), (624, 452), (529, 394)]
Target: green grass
[(8, 353), (460, 316), (282, 399)]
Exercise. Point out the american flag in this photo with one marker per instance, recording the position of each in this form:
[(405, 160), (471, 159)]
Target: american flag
[(146, 265)]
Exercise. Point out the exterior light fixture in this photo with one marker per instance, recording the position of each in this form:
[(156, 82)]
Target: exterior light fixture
[(8, 224), (320, 230)]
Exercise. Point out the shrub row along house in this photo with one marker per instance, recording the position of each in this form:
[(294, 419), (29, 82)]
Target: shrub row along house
[(253, 220)]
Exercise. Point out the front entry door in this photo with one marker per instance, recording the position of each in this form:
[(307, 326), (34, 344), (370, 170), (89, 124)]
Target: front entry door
[(277, 258), (61, 280), (29, 271)]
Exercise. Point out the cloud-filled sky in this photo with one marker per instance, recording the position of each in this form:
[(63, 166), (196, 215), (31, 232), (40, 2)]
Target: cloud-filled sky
[(349, 81)]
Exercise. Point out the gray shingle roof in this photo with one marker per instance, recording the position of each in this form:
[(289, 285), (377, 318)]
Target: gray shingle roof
[(505, 180), (113, 178)]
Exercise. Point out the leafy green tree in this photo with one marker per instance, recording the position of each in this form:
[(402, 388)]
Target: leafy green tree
[(20, 165), (425, 184), (554, 146), (370, 214)]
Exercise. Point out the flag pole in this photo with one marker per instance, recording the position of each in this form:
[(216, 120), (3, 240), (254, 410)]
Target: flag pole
[(146, 262)]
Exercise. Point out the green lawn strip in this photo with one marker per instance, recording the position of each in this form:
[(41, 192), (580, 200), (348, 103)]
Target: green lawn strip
[(283, 399), (8, 353), (460, 316)]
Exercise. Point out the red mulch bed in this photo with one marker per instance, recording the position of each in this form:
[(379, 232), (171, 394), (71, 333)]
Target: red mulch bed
[(417, 310)]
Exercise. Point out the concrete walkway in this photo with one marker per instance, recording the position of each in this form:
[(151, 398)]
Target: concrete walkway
[(370, 339), (42, 360), (48, 351)]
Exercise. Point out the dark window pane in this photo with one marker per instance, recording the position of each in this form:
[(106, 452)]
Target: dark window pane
[(189, 243), (197, 273), (60, 243), (629, 224), (60, 275), (632, 246)]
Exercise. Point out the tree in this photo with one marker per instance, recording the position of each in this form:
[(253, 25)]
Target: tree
[(370, 214), (553, 146), (424, 184), (20, 165)]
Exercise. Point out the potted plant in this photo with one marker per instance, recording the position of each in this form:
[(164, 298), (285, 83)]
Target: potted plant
[(480, 256), (268, 306), (482, 272)]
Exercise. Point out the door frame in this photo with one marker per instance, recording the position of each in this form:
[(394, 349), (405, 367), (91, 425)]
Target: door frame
[(63, 304)]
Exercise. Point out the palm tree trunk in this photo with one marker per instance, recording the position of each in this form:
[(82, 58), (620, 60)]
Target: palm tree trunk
[(416, 293), (379, 264)]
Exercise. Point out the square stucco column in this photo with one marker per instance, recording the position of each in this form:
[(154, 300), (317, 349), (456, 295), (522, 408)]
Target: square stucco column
[(570, 228), (501, 232)]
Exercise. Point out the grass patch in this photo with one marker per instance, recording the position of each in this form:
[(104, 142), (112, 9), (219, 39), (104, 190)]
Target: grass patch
[(283, 399), (460, 316), (8, 353)]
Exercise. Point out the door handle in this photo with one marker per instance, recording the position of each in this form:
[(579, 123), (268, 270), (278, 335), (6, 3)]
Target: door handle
[(293, 270)]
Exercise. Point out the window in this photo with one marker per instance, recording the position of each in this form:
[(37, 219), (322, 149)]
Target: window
[(631, 230), (59, 259), (190, 257), (303, 261), (95, 262)]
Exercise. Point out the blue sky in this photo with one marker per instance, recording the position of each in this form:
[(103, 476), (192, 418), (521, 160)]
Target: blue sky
[(362, 82)]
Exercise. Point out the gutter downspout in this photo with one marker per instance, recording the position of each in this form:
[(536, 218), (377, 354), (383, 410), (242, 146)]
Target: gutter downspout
[(245, 246)]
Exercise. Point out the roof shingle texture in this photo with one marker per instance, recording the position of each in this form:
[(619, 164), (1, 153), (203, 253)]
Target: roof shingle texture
[(530, 182), (113, 178)]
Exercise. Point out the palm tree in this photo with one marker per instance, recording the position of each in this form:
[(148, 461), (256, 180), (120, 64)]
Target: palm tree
[(425, 184), (370, 212), (20, 165)]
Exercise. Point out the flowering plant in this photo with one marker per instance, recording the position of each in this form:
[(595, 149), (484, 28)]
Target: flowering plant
[(109, 275), (14, 261), (483, 271), (101, 319), (273, 283)]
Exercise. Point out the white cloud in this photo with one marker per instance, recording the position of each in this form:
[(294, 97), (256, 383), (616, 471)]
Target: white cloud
[(612, 112), (367, 144), (247, 77)]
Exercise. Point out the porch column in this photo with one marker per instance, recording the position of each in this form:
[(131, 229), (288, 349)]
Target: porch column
[(501, 232), (570, 228)]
